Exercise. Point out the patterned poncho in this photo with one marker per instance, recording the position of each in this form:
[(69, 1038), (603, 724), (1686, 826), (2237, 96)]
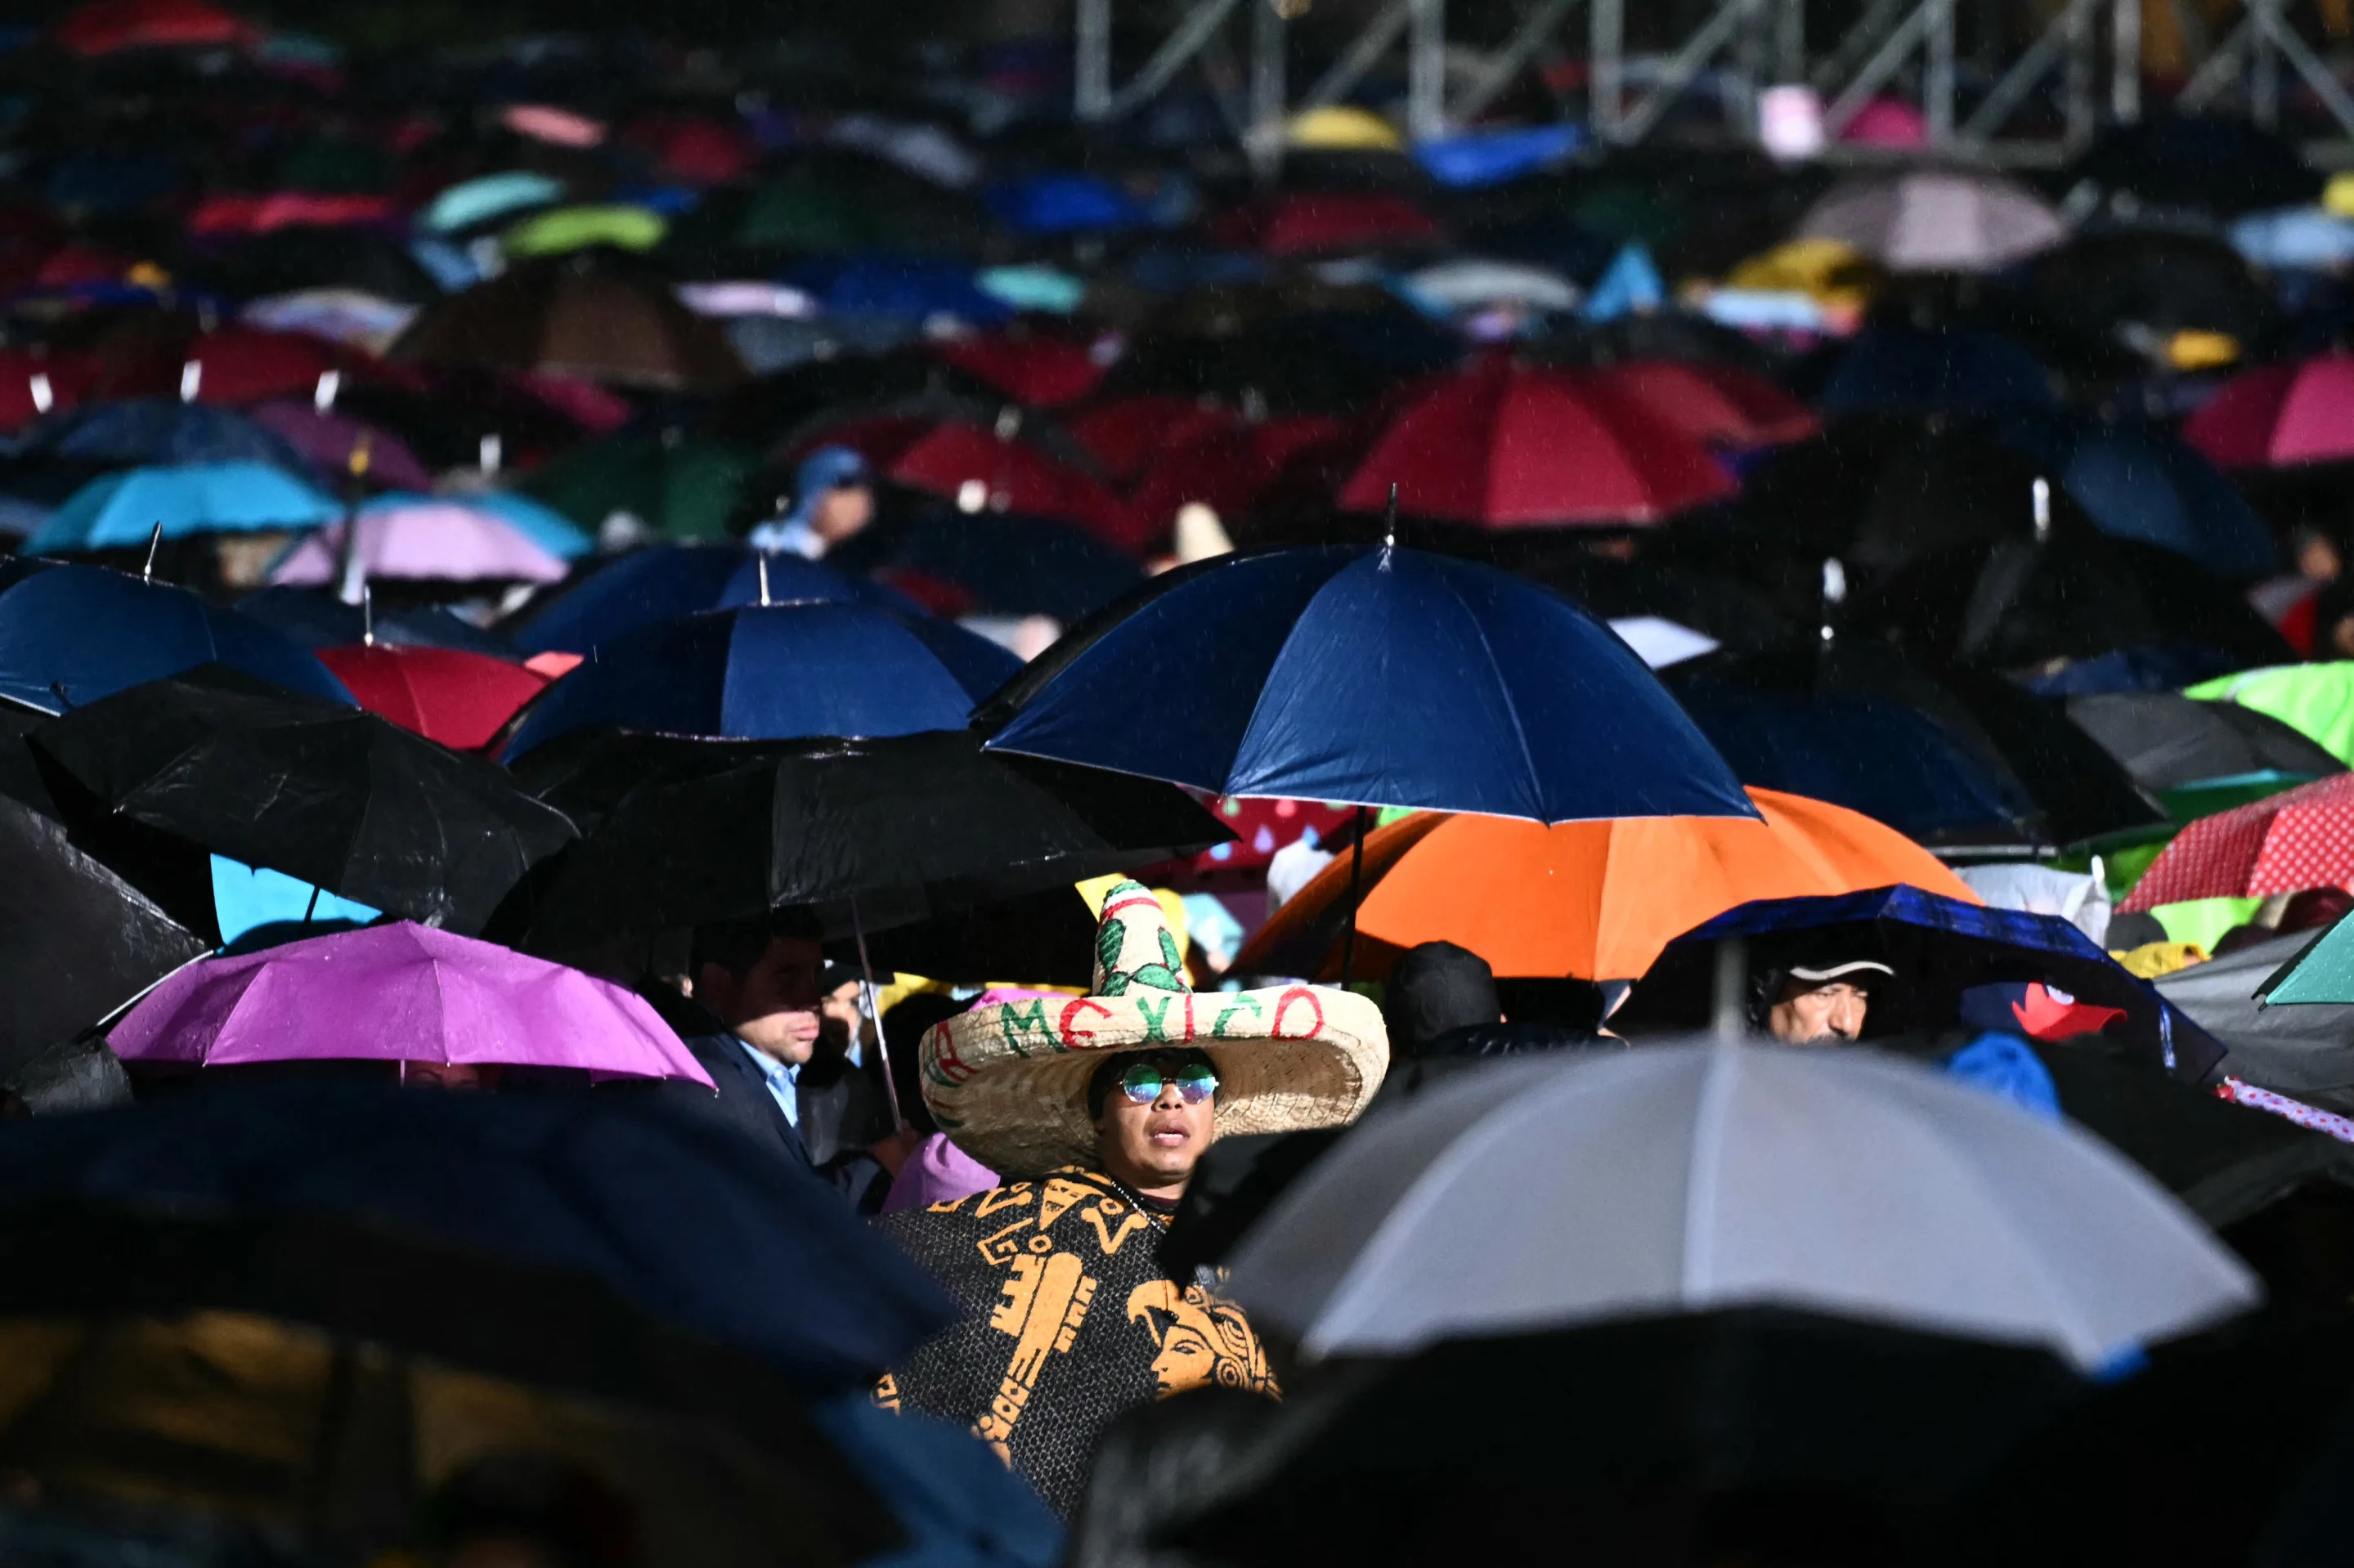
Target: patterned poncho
[(1068, 1322)]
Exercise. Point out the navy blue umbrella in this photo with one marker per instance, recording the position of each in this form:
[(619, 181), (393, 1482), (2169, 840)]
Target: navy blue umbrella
[(1939, 948), (72, 634), (148, 431), (663, 582), (1371, 675), (702, 1229), (317, 617), (1963, 371), (776, 671), (2139, 483), (1006, 564)]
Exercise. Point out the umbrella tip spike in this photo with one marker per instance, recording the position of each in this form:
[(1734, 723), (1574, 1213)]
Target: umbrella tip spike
[(1389, 518), (763, 560), (368, 615), (154, 540), (2041, 494)]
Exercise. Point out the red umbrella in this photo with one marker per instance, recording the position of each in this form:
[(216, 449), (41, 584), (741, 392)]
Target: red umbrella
[(1714, 404), (1304, 222), (1029, 367), (247, 364), (980, 469), (693, 149), (446, 694), (2283, 843), (224, 216), (107, 26), (34, 384), (1225, 470), (1124, 434), (1506, 446), (2280, 415)]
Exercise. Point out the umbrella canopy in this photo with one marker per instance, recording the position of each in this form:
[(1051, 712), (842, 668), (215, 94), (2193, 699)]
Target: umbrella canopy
[(1902, 369), (1375, 675), (1940, 949), (2137, 483), (1008, 565), (1503, 445), (691, 832), (1936, 220), (339, 798), (472, 203), (111, 26), (1594, 900), (1289, 367), (458, 698), (2323, 972), (982, 470), (120, 511), (716, 1234), (1031, 368), (2279, 416), (775, 672), (422, 538), (160, 432), (581, 316), (562, 230), (2286, 843), (684, 488), (2195, 163), (2316, 701), (73, 635), (1692, 1178), (1717, 405), (400, 992), (1314, 223), (2187, 752), (76, 940), (2306, 1051), (316, 617), (628, 593), (2151, 284), (338, 444)]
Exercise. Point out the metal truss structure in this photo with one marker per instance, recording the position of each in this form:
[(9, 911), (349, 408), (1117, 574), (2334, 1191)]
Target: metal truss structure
[(2041, 93)]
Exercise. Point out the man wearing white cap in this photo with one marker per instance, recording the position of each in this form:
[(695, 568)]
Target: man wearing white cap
[(1822, 1003)]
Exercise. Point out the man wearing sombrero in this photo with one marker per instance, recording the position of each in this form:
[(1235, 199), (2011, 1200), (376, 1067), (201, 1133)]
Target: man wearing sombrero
[(1097, 1108)]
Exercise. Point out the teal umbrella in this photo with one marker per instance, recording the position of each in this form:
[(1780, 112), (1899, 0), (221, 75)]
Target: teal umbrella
[(471, 202), (2323, 972), (122, 510)]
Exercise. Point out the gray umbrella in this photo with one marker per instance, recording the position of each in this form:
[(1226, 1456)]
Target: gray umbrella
[(1936, 220), (2306, 1051), (1548, 1192)]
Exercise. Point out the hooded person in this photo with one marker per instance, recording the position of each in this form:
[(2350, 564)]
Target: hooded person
[(834, 500), (1097, 1108)]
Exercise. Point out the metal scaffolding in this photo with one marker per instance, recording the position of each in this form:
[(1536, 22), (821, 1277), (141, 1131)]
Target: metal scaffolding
[(2037, 94)]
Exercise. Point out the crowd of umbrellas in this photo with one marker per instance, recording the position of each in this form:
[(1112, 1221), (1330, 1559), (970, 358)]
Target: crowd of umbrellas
[(423, 613)]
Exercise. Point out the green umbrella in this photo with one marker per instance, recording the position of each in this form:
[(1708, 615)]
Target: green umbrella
[(333, 166), (568, 228), (2315, 700), (686, 488), (2322, 972)]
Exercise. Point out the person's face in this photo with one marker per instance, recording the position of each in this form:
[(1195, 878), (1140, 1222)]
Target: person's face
[(774, 1006), (1829, 1014), (1154, 1147), (843, 1021), (842, 512)]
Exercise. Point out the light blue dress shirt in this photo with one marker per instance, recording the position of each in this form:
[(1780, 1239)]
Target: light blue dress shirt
[(784, 1082)]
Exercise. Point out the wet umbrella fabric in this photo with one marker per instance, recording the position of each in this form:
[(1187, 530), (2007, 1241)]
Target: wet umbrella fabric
[(414, 538), (2153, 284), (775, 672), (458, 698), (316, 617), (718, 1235), (159, 431), (1001, 564), (1502, 446), (2323, 972), (2304, 1051), (2279, 416), (338, 797), (569, 316), (76, 940), (663, 582), (1692, 1178), (2170, 743), (400, 992), (1936, 220), (2198, 164), (72, 634), (120, 511), (2283, 843), (1941, 947), (2139, 484), (1894, 368), (686, 832)]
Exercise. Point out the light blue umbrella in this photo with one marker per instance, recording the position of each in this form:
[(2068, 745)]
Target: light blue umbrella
[(475, 201), (121, 510), (2295, 237)]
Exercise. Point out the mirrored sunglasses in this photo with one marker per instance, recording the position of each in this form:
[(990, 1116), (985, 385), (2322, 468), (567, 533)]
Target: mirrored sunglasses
[(1143, 1083)]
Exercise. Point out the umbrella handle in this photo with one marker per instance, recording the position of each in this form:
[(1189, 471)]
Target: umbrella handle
[(1356, 894)]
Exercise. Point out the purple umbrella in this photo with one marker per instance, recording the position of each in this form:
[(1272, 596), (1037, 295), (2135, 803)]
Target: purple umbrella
[(424, 537), (399, 993), (329, 440)]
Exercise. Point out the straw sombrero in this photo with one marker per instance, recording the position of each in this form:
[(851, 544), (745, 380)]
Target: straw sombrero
[(1008, 1083)]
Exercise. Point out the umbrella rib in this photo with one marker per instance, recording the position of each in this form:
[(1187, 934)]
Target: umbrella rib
[(1503, 690), (1703, 1170)]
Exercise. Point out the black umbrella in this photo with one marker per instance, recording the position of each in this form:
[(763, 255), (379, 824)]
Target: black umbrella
[(760, 411), (2195, 165), (2170, 742), (337, 797), (76, 940), (1744, 1435), (317, 617), (311, 257), (2146, 285), (997, 564), (687, 832)]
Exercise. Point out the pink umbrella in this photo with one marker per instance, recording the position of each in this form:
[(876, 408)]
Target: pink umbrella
[(2280, 415), (400, 992), (331, 439), (420, 538)]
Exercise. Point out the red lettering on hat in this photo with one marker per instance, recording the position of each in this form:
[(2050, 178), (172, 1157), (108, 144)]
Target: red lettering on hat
[(1079, 1039), (1189, 1015), (945, 1060), (1299, 993)]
